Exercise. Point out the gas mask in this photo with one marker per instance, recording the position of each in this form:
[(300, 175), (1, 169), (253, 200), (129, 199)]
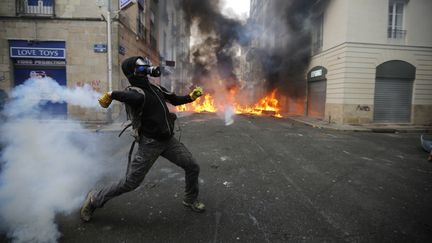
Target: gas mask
[(143, 67)]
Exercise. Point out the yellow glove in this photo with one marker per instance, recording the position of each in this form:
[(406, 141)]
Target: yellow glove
[(105, 100), (197, 92)]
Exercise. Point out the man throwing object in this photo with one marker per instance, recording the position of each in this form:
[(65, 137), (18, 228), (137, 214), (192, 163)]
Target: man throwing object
[(154, 128)]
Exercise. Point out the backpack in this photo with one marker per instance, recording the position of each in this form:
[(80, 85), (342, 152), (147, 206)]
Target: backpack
[(135, 116)]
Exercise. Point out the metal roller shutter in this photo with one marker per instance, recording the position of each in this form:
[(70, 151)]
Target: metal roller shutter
[(317, 98), (393, 100)]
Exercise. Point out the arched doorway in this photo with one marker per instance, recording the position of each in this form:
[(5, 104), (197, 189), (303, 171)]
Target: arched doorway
[(393, 92)]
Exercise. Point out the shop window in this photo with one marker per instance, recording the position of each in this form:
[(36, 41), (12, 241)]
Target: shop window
[(35, 7)]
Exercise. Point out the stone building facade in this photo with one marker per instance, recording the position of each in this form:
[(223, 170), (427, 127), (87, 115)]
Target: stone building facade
[(371, 62), (78, 31), (174, 41)]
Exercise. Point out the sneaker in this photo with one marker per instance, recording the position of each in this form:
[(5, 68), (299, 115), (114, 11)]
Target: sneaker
[(87, 208), (196, 206)]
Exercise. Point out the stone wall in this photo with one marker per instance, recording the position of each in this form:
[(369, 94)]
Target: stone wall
[(422, 114), (84, 66)]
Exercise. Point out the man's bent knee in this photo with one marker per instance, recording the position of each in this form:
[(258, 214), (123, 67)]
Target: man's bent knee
[(193, 168), (130, 185)]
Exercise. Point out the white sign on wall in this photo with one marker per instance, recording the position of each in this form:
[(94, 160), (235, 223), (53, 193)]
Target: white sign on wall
[(124, 3), (316, 73)]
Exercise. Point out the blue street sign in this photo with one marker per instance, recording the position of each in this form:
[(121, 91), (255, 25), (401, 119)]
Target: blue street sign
[(122, 50), (100, 48)]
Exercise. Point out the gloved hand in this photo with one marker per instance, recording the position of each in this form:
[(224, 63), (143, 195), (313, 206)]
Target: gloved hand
[(197, 92), (105, 100)]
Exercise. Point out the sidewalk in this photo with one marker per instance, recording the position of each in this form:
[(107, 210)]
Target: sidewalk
[(380, 128), (105, 127), (309, 121)]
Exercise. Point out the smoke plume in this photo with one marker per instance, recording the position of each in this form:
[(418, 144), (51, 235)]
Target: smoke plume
[(220, 33), (285, 64), (277, 46), (48, 163)]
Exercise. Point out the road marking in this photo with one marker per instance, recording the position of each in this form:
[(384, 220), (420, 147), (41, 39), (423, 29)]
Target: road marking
[(256, 223)]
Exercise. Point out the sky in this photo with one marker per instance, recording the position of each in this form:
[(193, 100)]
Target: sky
[(240, 7)]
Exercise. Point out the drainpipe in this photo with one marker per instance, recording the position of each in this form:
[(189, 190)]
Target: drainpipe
[(109, 52), (109, 34)]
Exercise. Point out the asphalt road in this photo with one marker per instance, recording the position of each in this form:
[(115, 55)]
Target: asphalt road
[(271, 180)]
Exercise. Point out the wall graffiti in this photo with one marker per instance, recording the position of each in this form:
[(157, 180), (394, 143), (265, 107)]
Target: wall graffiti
[(94, 84), (3, 98), (363, 108)]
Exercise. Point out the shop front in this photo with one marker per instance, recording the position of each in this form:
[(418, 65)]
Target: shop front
[(40, 60)]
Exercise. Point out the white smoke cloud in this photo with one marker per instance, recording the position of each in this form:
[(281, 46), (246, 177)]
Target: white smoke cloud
[(27, 97), (229, 115), (48, 165)]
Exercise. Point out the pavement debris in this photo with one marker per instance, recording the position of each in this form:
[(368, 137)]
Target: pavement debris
[(227, 184)]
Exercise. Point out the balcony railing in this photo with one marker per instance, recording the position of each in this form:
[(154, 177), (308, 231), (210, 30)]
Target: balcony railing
[(396, 33), (35, 7)]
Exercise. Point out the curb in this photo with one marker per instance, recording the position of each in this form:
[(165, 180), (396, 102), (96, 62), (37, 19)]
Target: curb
[(364, 129), (329, 127)]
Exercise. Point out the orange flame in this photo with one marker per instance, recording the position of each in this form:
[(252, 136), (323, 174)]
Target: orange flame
[(202, 104), (268, 105)]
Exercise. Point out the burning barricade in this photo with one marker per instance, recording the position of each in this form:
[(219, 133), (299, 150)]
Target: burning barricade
[(269, 105)]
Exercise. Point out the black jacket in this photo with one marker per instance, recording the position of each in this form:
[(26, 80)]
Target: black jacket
[(156, 120)]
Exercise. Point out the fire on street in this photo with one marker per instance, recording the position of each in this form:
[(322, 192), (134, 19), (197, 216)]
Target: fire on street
[(271, 180)]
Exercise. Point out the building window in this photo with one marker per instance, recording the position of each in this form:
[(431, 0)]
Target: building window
[(165, 45), (395, 19), (35, 7), (141, 30), (317, 34), (153, 30)]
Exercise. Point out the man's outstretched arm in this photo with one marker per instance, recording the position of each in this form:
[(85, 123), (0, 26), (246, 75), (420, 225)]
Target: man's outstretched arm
[(180, 100), (129, 97)]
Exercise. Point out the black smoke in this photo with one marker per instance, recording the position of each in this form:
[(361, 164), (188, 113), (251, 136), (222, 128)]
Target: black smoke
[(223, 31), (283, 66)]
